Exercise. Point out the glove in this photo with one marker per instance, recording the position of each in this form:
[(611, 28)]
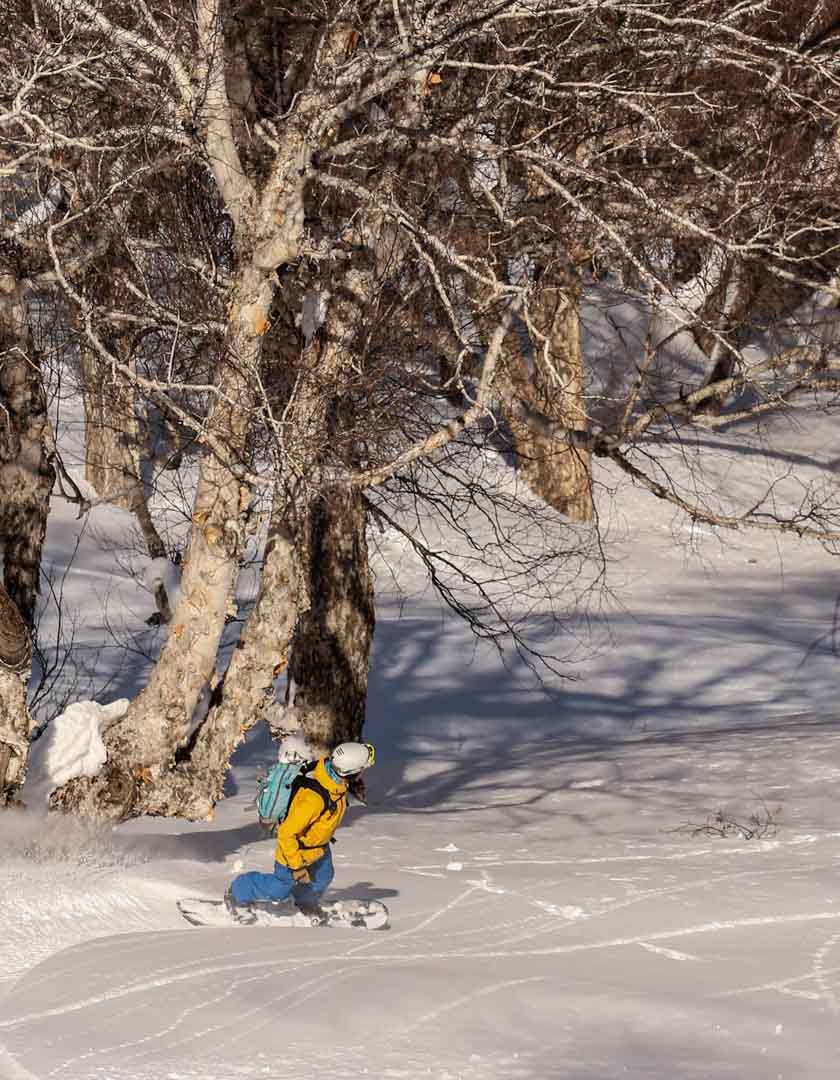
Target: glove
[(301, 876)]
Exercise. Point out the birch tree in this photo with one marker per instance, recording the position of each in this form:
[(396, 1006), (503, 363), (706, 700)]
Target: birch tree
[(350, 246), (26, 479), (263, 173)]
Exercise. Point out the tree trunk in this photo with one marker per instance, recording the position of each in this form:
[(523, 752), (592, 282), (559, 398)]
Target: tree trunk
[(112, 433), (15, 721), (328, 665), (331, 650), (554, 467), (26, 480), (720, 318), (142, 744), (26, 451), (15, 732), (193, 787)]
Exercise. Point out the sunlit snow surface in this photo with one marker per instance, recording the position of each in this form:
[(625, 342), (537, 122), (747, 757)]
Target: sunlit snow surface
[(552, 913), (546, 920), (536, 958)]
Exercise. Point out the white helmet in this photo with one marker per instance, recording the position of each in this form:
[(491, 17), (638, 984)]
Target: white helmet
[(351, 757)]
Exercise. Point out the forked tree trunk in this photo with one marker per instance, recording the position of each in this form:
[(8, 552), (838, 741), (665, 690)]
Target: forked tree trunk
[(329, 661), (142, 744), (554, 467), (268, 220), (26, 480), (193, 787)]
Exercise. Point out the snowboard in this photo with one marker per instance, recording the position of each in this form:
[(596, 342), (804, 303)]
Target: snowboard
[(356, 914)]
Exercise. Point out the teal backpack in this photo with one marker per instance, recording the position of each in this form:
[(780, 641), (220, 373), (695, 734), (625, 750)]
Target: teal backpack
[(278, 787)]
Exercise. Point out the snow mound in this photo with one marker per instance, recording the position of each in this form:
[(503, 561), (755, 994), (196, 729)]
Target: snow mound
[(72, 745)]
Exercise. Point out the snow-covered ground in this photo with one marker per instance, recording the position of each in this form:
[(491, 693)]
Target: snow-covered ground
[(550, 917), (554, 913)]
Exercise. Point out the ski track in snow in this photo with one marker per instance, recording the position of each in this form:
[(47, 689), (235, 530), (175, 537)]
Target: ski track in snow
[(821, 972), (491, 910), (165, 977), (112, 907), (486, 912), (564, 914)]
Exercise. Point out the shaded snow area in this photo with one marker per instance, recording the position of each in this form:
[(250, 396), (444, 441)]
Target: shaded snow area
[(562, 901)]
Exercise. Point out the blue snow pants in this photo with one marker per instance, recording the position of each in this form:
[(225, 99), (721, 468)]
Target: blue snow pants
[(281, 884)]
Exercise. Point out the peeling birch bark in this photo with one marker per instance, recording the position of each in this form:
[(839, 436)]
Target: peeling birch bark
[(15, 731), (26, 448), (193, 787), (15, 720), (26, 479), (188, 659), (160, 719)]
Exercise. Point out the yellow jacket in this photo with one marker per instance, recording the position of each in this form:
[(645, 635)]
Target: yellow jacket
[(305, 832)]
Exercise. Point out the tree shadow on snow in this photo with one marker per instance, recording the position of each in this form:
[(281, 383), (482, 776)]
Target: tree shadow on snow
[(456, 731)]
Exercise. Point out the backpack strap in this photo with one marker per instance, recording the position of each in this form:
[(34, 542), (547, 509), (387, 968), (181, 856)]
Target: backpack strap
[(304, 780), (311, 784)]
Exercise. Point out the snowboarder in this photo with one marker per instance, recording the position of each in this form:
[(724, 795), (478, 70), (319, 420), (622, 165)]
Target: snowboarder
[(303, 865)]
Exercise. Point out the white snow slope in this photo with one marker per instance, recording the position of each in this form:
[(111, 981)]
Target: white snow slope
[(551, 914)]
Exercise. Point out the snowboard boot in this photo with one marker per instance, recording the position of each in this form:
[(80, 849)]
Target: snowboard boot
[(242, 913), (315, 912)]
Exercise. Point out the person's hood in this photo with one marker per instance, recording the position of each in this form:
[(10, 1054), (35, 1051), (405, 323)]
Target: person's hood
[(321, 774)]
